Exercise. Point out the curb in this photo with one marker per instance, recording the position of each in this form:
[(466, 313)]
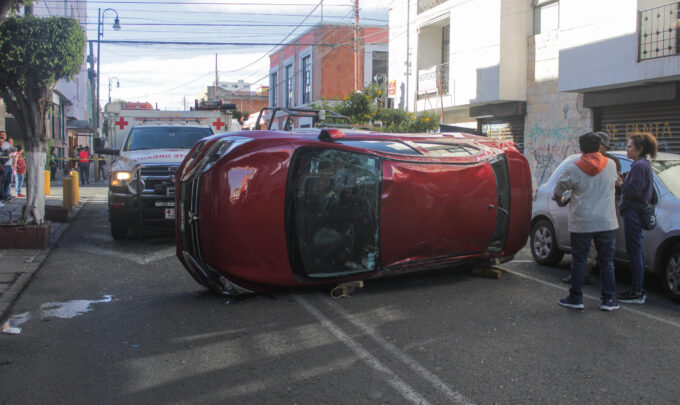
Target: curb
[(10, 296)]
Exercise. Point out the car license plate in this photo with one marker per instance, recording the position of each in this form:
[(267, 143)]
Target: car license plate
[(165, 203), (169, 213)]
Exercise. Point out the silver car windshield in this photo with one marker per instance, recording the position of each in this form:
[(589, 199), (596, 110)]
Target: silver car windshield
[(669, 174)]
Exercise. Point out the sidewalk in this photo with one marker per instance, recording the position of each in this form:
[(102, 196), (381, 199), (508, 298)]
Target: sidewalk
[(17, 266)]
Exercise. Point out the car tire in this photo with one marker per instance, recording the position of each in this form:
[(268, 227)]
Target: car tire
[(670, 273), (544, 243), (118, 232)]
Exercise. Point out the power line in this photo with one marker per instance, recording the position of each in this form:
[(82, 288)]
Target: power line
[(120, 42)]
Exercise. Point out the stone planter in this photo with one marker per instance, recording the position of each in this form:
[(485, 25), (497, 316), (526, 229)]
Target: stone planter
[(25, 236)]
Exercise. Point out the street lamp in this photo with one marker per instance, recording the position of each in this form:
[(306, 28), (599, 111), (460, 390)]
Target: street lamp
[(100, 34), (117, 85)]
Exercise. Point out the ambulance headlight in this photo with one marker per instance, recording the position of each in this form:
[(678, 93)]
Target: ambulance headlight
[(120, 179)]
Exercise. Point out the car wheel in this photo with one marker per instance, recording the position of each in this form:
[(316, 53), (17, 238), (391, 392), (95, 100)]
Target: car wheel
[(118, 231), (544, 243), (670, 274)]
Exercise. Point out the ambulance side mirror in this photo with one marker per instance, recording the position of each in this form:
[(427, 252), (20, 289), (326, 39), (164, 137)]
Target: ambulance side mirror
[(101, 150)]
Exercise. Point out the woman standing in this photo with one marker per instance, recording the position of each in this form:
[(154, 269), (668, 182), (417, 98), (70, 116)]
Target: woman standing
[(637, 191)]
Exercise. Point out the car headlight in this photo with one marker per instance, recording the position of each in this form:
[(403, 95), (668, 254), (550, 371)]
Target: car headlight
[(120, 179)]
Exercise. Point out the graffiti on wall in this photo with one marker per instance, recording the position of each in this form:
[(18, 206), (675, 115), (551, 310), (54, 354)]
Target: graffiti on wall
[(546, 148)]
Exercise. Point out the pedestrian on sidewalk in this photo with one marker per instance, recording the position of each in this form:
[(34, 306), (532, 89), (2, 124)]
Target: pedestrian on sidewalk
[(592, 216), (636, 192), (84, 166), (102, 167), (20, 169), (53, 164), (6, 149)]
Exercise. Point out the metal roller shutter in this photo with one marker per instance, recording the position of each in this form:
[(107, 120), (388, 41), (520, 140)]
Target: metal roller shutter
[(508, 128), (662, 119)]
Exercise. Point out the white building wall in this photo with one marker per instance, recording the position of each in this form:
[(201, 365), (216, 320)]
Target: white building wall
[(488, 47), (516, 26), (74, 90), (398, 17), (599, 48)]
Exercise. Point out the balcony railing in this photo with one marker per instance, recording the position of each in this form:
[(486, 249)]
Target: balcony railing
[(659, 27), (424, 5), (433, 80)]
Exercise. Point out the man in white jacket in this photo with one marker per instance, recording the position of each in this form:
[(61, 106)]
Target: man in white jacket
[(592, 217)]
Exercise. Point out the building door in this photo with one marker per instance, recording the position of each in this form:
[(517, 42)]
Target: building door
[(662, 119), (506, 128)]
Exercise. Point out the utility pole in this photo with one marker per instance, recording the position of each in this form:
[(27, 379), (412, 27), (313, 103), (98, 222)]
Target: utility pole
[(356, 45), (217, 78)]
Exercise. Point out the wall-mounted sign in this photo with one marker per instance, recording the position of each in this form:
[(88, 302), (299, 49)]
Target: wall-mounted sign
[(392, 88)]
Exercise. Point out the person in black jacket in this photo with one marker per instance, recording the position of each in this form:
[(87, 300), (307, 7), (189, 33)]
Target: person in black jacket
[(636, 192)]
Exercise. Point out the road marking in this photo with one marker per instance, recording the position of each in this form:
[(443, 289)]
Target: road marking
[(426, 374), (592, 297), (397, 383), (139, 259)]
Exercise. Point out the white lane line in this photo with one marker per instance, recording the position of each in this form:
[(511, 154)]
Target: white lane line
[(397, 383), (139, 259), (452, 395), (624, 307)]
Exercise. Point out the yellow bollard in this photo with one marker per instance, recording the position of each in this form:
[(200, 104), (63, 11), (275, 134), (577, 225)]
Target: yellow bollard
[(47, 182), (68, 192), (75, 187)]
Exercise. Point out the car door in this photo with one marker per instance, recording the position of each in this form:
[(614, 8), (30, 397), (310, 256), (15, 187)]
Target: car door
[(620, 234)]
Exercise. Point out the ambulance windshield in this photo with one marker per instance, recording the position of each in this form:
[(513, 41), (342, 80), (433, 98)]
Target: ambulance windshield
[(165, 137)]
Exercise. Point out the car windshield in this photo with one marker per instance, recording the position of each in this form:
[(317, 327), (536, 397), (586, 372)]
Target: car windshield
[(165, 137), (669, 174)]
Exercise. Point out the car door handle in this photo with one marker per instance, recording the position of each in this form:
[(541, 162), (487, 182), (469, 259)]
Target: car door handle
[(491, 206)]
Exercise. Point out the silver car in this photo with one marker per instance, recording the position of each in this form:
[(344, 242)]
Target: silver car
[(550, 237)]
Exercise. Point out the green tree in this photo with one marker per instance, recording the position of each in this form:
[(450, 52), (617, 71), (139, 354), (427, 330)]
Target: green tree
[(36, 53), (7, 6)]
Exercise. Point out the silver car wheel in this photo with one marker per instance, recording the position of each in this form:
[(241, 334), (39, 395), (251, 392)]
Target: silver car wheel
[(543, 242)]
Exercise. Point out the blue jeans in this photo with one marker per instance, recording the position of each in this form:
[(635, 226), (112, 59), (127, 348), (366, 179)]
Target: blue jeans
[(605, 243), (20, 181), (7, 176), (632, 226)]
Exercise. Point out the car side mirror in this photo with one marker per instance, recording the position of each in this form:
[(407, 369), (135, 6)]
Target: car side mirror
[(101, 150)]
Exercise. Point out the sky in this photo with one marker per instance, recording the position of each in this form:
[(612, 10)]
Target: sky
[(172, 76)]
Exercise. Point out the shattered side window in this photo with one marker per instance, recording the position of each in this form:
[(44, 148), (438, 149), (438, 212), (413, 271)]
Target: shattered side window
[(448, 150), (381, 146), (332, 212)]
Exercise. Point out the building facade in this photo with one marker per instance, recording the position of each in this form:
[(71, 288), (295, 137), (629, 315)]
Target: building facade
[(320, 64), (245, 100), (541, 72)]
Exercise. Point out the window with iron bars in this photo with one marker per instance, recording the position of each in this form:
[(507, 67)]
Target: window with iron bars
[(289, 86), (306, 80), (274, 90), (424, 5), (659, 27)]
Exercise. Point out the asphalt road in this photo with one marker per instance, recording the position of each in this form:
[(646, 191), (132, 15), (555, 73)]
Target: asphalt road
[(152, 335)]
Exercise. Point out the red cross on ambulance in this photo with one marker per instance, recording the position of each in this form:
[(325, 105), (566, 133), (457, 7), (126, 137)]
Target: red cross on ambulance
[(121, 122), (219, 123)]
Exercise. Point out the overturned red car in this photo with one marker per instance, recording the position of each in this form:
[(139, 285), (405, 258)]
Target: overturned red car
[(262, 209)]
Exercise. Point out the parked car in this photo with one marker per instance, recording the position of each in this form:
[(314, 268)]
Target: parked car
[(550, 236), (267, 208)]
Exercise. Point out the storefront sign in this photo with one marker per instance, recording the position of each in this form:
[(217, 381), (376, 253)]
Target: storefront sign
[(621, 132), (392, 88)]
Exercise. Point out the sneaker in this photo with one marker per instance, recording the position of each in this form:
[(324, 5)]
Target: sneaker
[(609, 304), (21, 195), (2, 204), (629, 297), (572, 302)]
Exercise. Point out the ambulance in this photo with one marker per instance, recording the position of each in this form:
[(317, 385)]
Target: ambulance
[(148, 146)]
